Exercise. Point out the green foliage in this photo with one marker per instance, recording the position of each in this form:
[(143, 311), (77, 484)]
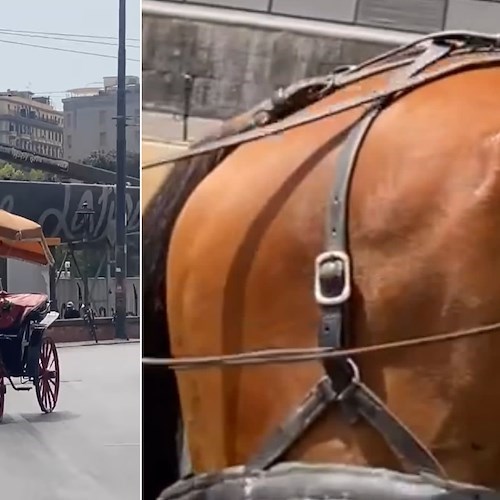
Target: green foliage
[(107, 161), (12, 173)]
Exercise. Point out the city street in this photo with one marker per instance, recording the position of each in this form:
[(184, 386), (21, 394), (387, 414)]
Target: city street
[(89, 447)]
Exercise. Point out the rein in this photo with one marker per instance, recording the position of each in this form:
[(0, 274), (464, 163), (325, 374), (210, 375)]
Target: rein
[(297, 355)]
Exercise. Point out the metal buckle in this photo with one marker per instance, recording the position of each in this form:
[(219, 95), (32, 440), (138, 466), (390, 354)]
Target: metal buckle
[(353, 382), (339, 267)]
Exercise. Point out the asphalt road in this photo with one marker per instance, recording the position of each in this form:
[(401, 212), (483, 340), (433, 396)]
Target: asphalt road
[(89, 447)]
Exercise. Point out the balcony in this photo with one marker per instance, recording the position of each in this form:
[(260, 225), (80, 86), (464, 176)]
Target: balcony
[(31, 122)]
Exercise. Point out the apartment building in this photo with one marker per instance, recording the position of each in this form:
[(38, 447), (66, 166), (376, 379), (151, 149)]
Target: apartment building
[(89, 119), (30, 123)]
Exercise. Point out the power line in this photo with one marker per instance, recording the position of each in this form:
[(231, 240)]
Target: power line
[(66, 39), (52, 92), (63, 50), (67, 34)]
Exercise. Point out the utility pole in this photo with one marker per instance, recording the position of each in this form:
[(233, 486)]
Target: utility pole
[(121, 152)]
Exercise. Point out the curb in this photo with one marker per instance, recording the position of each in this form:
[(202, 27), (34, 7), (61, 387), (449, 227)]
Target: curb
[(90, 343)]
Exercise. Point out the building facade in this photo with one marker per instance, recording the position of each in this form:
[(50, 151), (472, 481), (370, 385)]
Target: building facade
[(89, 119), (31, 124)]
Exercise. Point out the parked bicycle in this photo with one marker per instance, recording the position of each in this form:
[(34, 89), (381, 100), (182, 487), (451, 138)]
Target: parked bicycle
[(88, 316)]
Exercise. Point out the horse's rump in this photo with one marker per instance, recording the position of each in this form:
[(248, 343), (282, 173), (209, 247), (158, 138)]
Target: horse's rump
[(240, 271)]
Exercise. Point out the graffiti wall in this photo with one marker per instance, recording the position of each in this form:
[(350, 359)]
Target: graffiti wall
[(54, 207)]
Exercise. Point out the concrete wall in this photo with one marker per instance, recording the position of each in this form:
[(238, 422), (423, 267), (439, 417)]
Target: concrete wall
[(102, 293), (240, 51), (75, 330), (234, 67)]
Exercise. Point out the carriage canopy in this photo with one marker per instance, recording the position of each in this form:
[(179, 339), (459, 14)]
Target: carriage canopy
[(23, 239)]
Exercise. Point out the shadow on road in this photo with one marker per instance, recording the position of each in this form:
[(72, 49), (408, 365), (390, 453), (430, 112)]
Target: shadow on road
[(57, 416)]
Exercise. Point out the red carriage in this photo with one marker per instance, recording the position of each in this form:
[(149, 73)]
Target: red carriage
[(26, 353)]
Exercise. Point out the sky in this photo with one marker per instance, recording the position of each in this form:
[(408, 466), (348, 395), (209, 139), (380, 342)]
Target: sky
[(52, 72)]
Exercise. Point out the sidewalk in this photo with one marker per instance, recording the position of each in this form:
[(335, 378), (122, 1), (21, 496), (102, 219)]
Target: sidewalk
[(88, 343)]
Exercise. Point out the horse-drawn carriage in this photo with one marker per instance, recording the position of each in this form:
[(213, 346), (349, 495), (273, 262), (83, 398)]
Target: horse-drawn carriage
[(367, 227), (26, 352)]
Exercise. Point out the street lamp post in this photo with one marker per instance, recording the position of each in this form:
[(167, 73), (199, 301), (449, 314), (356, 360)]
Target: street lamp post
[(86, 214), (121, 152)]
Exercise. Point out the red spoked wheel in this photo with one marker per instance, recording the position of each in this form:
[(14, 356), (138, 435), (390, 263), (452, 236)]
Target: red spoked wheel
[(47, 381), (3, 390)]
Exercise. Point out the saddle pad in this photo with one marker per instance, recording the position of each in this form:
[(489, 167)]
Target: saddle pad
[(299, 481)]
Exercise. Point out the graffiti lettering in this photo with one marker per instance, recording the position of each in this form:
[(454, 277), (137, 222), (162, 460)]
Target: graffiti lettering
[(54, 206)]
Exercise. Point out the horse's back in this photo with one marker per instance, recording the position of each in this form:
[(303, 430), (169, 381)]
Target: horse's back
[(422, 213)]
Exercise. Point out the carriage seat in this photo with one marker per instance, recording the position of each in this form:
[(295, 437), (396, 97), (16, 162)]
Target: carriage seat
[(16, 307)]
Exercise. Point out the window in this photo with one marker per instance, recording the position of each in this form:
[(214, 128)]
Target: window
[(102, 140), (68, 141), (102, 117)]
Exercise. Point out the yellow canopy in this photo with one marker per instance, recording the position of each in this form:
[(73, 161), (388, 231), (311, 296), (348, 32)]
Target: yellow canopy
[(23, 239)]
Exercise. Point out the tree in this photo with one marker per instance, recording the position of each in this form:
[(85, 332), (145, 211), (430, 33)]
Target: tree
[(107, 161), (11, 173)]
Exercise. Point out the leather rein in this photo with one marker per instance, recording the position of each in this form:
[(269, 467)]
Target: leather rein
[(301, 355)]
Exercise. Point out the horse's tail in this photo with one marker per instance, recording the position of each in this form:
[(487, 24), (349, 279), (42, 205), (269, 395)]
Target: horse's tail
[(161, 410)]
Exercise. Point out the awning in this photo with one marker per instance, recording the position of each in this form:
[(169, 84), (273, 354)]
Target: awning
[(23, 239)]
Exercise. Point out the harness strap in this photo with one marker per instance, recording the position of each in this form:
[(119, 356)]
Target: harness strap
[(414, 456), (407, 448), (333, 274), (302, 418), (332, 290), (342, 384)]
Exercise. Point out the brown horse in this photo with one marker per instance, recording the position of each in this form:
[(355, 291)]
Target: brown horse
[(423, 218)]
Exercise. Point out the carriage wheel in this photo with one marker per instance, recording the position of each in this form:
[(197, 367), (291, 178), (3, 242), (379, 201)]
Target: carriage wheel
[(3, 390), (47, 380)]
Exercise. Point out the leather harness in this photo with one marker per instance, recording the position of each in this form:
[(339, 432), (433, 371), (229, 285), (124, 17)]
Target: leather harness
[(342, 383), (332, 290)]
